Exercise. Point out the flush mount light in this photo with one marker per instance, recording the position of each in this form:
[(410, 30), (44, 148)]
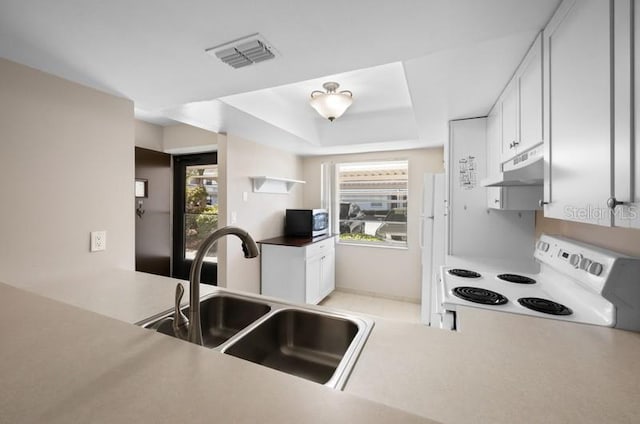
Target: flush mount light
[(331, 104)]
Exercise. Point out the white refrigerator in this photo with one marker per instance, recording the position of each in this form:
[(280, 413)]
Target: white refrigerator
[(432, 238)]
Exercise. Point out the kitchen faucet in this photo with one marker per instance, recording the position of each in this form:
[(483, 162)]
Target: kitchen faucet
[(189, 328)]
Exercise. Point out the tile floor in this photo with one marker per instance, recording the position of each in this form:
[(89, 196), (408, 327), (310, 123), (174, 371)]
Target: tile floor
[(376, 306)]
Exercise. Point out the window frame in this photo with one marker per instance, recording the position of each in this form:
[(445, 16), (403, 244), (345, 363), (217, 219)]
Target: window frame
[(336, 201)]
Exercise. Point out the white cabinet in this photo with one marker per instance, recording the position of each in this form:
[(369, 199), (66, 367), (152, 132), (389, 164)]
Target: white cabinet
[(494, 140), (520, 106), (633, 179), (510, 121), (530, 98), (626, 184), (303, 274), (577, 119)]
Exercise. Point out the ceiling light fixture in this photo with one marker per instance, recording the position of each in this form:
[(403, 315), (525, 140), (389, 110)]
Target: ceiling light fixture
[(331, 104)]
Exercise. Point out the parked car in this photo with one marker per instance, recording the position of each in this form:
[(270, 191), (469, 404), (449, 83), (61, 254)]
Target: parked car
[(351, 219), (394, 227)]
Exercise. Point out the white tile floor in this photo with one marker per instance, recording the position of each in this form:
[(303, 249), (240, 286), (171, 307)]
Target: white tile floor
[(375, 306)]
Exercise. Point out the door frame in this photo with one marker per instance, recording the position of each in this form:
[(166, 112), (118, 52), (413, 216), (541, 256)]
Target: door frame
[(181, 266)]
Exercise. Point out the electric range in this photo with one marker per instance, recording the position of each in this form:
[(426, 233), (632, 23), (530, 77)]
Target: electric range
[(576, 282)]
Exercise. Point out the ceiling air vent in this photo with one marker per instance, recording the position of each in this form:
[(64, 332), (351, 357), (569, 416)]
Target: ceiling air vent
[(244, 51)]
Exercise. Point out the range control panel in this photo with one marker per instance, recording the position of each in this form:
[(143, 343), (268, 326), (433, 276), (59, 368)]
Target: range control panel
[(588, 264)]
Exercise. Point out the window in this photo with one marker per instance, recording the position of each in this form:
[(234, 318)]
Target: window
[(373, 202)]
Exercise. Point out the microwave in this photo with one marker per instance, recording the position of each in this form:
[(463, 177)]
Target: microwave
[(306, 222)]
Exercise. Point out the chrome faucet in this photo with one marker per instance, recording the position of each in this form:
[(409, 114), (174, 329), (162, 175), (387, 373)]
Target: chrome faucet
[(189, 328)]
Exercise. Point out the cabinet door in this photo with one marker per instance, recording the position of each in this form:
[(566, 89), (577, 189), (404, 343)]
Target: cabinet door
[(510, 121), (530, 85), (577, 118), (327, 274), (494, 197), (313, 275), (627, 113), (494, 141)]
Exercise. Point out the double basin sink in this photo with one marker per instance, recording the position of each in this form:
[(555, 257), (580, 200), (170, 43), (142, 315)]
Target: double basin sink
[(316, 345)]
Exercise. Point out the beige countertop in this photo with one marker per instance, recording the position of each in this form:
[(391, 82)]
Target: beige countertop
[(62, 364), (125, 295), (503, 368)]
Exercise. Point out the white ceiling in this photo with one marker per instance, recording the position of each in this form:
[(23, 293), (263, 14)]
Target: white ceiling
[(441, 60)]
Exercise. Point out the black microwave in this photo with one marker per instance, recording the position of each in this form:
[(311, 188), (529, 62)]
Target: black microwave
[(306, 222)]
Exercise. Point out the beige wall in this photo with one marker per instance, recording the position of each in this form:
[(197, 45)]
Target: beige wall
[(66, 169), (623, 240), (262, 215), (183, 139), (148, 136), (377, 270)]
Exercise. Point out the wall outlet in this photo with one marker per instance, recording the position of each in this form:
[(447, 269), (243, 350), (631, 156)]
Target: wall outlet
[(98, 241), (234, 217)]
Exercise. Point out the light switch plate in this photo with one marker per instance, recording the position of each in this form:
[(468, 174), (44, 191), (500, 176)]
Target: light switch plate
[(98, 241)]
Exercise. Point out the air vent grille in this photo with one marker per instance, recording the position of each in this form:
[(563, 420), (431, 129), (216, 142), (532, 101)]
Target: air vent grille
[(244, 51)]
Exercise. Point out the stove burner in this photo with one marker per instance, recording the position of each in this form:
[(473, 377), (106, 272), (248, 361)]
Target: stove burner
[(478, 295), (518, 279), (544, 305), (465, 273)]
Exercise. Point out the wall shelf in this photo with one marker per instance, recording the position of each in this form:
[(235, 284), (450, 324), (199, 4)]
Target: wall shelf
[(264, 184)]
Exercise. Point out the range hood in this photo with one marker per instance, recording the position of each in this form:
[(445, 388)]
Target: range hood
[(526, 169)]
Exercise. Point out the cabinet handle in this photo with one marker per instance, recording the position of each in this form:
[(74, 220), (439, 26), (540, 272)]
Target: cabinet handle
[(541, 203), (513, 144), (612, 202), (496, 201)]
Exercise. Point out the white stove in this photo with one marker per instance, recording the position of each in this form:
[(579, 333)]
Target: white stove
[(576, 282)]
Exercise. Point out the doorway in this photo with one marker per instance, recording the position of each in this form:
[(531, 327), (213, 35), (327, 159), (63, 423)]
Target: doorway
[(153, 212), (195, 213)]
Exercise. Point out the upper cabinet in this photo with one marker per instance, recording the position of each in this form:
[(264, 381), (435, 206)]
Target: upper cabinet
[(510, 121), (625, 197), (530, 98), (588, 141), (520, 106)]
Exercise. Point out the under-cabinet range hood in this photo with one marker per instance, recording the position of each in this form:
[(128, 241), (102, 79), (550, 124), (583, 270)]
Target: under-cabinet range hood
[(526, 169)]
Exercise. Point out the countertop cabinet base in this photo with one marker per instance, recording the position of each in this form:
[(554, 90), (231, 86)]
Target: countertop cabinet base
[(299, 274)]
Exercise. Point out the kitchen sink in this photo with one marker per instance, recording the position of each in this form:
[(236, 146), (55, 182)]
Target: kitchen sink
[(221, 317), (310, 345), (307, 342)]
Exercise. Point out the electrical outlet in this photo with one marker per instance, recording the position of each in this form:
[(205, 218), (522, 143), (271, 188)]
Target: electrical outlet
[(234, 217), (98, 241)]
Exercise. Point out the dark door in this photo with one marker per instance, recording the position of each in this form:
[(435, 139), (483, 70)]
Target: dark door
[(195, 206), (153, 212)]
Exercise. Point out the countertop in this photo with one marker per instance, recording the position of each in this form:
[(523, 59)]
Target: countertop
[(62, 364), (294, 241), (503, 368), (125, 295)]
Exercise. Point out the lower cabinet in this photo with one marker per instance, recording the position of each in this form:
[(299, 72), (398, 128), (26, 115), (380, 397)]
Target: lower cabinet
[(299, 274)]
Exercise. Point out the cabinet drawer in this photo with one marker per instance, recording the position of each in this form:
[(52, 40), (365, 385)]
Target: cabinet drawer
[(319, 248)]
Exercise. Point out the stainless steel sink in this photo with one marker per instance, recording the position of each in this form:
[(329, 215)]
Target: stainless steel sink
[(222, 316), (310, 345), (307, 342)]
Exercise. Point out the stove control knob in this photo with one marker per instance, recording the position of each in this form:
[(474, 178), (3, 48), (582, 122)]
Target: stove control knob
[(585, 264), (543, 245), (575, 259), (595, 268)]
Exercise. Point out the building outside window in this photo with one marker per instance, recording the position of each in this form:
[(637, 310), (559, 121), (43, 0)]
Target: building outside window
[(373, 199)]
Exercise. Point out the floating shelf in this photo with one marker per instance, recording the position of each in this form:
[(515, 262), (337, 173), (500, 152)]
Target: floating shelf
[(264, 184)]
